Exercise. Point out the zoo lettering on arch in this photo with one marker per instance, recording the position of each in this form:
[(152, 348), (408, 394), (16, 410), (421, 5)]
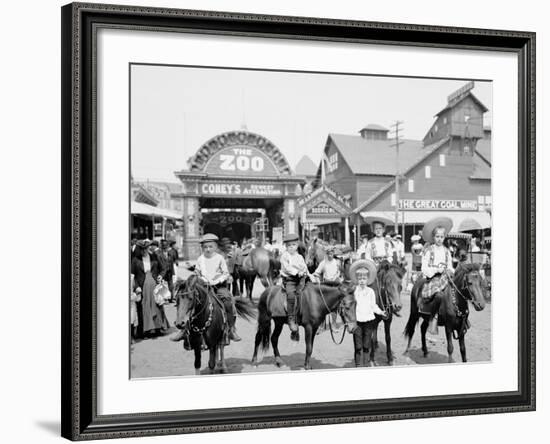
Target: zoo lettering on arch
[(241, 159)]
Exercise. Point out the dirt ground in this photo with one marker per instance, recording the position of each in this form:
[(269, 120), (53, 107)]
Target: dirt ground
[(160, 357)]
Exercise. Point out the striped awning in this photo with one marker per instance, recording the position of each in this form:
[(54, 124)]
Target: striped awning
[(143, 209)]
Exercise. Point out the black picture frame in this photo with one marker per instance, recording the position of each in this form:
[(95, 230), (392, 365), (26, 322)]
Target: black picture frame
[(79, 172)]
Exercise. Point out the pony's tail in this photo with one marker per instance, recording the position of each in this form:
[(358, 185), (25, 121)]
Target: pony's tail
[(413, 317), (245, 309), (264, 321)]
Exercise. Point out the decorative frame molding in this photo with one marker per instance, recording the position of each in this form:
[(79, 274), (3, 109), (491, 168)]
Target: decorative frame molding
[(80, 22)]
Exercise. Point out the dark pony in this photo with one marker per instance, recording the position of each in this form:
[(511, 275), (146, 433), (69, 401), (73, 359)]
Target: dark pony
[(314, 304), (259, 263), (202, 313), (465, 286), (387, 287)]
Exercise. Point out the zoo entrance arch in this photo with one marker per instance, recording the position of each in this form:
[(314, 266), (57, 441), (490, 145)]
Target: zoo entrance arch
[(233, 178)]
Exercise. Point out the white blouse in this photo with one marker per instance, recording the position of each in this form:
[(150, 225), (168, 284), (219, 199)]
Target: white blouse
[(366, 306), (433, 257)]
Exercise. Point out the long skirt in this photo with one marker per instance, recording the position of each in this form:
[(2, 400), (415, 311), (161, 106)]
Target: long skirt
[(153, 314)]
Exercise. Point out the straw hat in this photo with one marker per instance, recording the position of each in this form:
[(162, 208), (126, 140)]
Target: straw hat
[(378, 219), (432, 224), (363, 264), (415, 237)]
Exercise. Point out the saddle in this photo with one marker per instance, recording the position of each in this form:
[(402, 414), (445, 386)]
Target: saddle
[(425, 304)]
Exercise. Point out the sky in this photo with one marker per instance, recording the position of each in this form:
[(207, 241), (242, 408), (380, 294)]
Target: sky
[(174, 110)]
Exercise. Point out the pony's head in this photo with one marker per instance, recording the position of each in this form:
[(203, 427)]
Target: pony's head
[(390, 279), (469, 281), (347, 305), (190, 296)]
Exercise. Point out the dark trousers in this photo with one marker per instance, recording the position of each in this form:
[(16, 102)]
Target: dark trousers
[(293, 287), (229, 304), (363, 341)]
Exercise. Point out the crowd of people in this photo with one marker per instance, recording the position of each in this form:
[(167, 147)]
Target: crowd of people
[(154, 271)]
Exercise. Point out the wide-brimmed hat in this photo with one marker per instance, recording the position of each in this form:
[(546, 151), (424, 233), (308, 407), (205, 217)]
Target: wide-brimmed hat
[(209, 237), (358, 265), (330, 248), (154, 243), (143, 243), (432, 224), (378, 219), (291, 238), (415, 237)]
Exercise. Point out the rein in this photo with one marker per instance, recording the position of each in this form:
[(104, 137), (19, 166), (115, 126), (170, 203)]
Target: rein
[(329, 320), (207, 306), (462, 315)]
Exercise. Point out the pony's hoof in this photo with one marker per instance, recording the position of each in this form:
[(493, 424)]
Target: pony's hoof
[(254, 362), (279, 362), (425, 354), (197, 371), (390, 362)]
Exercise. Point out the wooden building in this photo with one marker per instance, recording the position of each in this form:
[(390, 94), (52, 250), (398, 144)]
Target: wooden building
[(447, 173)]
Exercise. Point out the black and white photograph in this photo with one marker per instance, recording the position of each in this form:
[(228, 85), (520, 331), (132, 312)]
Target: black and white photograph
[(283, 221)]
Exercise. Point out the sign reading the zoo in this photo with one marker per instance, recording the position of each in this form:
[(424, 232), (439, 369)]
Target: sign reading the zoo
[(428, 204), (240, 189), (241, 161)]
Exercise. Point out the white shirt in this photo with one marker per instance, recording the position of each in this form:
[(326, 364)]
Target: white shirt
[(292, 264), (366, 306), (434, 256), (328, 270), (399, 249), (362, 250), (379, 247), (146, 263), (214, 269)]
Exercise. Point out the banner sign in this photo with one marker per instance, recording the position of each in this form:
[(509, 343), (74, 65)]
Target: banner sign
[(322, 209), (242, 189), (428, 204)]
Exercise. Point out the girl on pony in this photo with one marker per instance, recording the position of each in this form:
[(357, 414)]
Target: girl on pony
[(437, 263)]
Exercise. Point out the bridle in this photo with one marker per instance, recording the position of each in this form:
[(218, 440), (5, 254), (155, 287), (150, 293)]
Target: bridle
[(205, 306), (462, 315), (387, 304), (339, 310)]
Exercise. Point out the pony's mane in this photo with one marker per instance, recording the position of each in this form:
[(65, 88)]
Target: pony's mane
[(386, 266), (463, 269)]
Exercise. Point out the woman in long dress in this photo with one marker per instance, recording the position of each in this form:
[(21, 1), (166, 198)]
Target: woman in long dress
[(146, 269)]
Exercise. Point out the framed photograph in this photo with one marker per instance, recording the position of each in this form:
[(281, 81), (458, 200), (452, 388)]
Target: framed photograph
[(275, 221)]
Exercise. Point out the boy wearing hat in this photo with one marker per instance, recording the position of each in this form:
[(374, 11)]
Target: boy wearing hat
[(293, 272), (416, 251), (328, 270), (363, 273), (379, 248), (212, 269)]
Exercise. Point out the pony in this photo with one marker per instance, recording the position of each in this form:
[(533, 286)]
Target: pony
[(387, 286), (464, 287), (315, 302), (202, 313), (259, 262)]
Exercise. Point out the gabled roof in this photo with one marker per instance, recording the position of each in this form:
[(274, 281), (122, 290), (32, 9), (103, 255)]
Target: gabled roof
[(326, 194), (483, 148), (305, 167), (459, 99), (376, 157), (426, 153)]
